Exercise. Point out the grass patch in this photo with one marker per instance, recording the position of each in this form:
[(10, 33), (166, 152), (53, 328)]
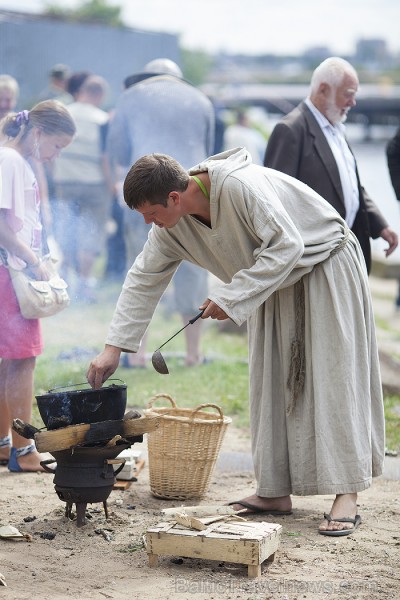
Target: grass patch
[(76, 335), (382, 324), (392, 419)]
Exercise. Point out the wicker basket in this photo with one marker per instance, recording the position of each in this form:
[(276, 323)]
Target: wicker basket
[(183, 449)]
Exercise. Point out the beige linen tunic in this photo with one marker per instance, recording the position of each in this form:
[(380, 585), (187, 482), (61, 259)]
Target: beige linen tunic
[(269, 231)]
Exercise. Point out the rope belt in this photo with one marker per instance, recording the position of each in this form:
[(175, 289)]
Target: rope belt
[(297, 370), (342, 242)]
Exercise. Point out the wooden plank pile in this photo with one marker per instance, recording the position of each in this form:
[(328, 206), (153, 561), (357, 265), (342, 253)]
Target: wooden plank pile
[(190, 533)]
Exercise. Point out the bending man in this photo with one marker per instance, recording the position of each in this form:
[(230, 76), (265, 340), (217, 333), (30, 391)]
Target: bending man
[(291, 267)]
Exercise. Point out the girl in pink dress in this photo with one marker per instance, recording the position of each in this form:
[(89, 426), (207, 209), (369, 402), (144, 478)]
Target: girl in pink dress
[(40, 134)]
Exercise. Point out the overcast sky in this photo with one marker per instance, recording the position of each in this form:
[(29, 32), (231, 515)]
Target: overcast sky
[(256, 26)]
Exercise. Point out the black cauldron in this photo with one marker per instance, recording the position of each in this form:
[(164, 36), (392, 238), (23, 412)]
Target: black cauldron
[(61, 408)]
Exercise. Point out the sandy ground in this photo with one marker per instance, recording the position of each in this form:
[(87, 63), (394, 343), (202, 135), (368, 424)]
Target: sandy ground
[(81, 562)]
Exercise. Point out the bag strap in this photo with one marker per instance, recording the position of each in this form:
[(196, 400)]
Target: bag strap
[(45, 248), (3, 256), (45, 245)]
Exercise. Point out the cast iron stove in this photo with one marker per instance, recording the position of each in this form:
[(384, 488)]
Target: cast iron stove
[(85, 475)]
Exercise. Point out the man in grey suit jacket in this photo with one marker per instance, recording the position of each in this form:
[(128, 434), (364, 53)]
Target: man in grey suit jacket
[(309, 144)]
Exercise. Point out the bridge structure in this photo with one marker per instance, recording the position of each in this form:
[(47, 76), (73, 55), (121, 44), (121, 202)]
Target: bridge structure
[(376, 104)]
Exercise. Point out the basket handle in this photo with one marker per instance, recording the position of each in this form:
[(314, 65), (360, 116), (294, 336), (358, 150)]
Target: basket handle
[(221, 416), (157, 396)]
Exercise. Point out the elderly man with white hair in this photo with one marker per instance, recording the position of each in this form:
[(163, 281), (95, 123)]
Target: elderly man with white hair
[(310, 144)]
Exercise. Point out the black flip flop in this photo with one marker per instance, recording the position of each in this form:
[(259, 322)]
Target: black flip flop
[(254, 510), (356, 522)]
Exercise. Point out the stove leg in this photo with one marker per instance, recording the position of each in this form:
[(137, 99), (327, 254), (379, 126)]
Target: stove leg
[(80, 514), (105, 508)]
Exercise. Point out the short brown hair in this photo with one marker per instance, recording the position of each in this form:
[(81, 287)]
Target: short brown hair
[(152, 178)]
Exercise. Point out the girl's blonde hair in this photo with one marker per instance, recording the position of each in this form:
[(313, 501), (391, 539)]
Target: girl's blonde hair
[(49, 116)]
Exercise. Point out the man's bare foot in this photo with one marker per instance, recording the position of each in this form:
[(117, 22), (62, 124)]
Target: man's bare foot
[(344, 506), (192, 361), (260, 504)]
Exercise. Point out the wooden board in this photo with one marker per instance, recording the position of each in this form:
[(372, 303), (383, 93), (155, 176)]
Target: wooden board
[(122, 484), (139, 466), (248, 543), (75, 435), (199, 511), (203, 523)]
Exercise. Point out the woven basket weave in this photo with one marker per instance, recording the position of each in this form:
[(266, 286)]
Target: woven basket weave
[(183, 450)]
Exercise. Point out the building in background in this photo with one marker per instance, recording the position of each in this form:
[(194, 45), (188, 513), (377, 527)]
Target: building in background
[(31, 44)]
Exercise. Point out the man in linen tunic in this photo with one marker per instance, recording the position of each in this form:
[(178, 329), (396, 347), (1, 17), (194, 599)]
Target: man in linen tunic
[(290, 267)]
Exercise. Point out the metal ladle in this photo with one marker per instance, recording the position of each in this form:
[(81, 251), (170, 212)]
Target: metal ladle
[(158, 360)]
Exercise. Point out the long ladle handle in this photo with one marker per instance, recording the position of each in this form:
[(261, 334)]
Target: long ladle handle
[(191, 321), (184, 327)]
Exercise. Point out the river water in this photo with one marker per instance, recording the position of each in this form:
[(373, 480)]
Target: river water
[(374, 175)]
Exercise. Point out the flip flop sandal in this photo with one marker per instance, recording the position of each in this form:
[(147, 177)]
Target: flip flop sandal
[(13, 465), (356, 522), (259, 511)]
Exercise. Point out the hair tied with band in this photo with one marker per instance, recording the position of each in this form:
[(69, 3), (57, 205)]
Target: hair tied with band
[(22, 117)]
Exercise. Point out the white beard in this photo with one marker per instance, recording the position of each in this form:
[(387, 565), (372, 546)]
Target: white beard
[(333, 114)]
